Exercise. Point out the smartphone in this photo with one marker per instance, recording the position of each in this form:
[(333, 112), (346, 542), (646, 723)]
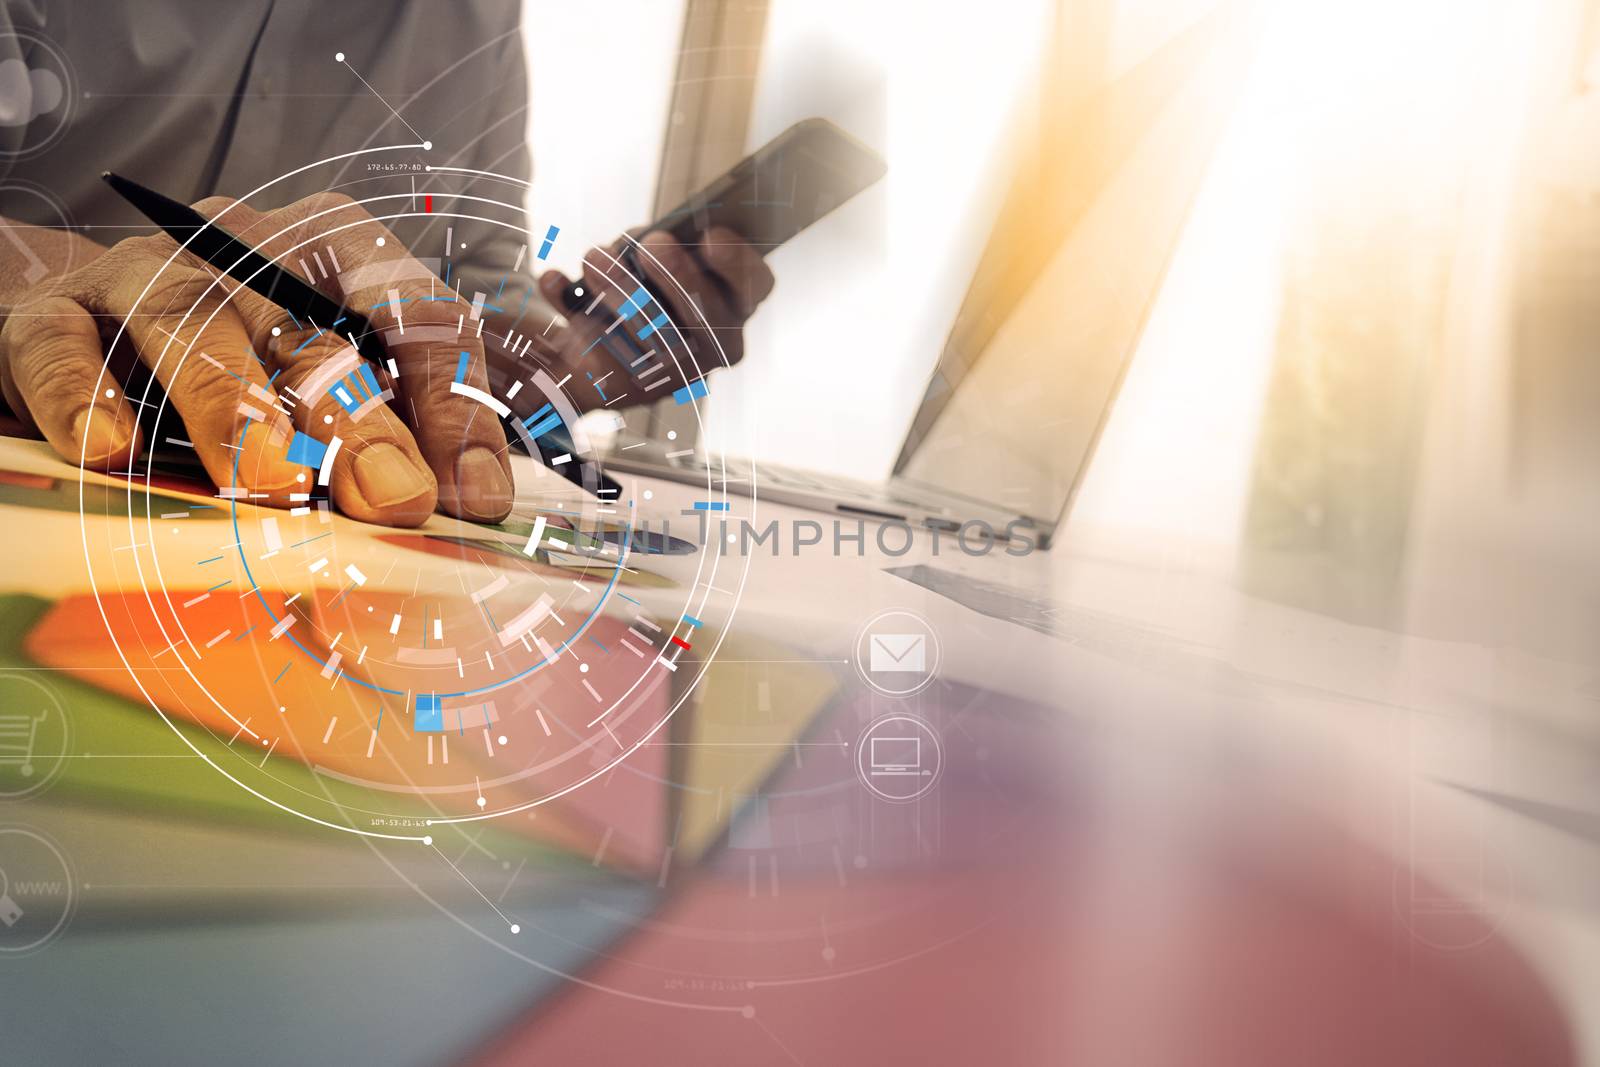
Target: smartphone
[(768, 197)]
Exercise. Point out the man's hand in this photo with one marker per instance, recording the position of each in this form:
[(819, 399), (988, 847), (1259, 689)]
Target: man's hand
[(709, 289), (218, 349)]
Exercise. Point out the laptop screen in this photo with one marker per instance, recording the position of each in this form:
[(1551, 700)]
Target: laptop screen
[(1102, 189), (896, 752)]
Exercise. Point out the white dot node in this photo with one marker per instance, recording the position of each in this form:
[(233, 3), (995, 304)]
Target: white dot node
[(380, 242), (263, 740), (672, 435), (327, 419), (516, 929), (277, 331), (427, 146), (300, 477), (733, 539), (649, 494), (338, 57), (463, 244), (281, 707), (110, 393), (583, 668), (577, 290), (502, 739), (428, 840), (483, 801)]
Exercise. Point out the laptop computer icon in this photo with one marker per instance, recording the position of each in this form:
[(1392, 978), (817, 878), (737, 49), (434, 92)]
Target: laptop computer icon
[(897, 756)]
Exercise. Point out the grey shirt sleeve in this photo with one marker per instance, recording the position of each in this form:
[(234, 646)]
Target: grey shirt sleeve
[(501, 147)]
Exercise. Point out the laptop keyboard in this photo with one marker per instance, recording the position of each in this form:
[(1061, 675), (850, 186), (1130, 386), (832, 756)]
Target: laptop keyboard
[(830, 486)]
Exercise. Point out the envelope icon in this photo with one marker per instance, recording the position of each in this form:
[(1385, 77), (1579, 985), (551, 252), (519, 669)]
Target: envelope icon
[(898, 652)]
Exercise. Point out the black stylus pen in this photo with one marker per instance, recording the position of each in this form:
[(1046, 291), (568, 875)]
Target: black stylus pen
[(245, 265)]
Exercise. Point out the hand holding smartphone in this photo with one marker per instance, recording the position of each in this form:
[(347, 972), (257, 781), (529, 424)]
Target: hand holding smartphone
[(768, 197)]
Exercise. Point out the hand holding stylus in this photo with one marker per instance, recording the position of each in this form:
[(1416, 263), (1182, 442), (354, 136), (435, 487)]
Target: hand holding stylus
[(429, 449), (209, 341)]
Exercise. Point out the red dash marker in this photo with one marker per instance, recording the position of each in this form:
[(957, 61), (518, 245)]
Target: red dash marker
[(427, 203), (681, 643)]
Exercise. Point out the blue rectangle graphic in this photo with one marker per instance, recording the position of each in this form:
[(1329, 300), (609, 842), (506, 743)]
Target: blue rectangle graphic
[(542, 422), (461, 365), (690, 392), (549, 240), (711, 505), (544, 427), (342, 394), (306, 450), (429, 716), (635, 303), (653, 325)]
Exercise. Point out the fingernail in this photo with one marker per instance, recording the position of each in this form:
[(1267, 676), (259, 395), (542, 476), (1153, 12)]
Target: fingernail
[(385, 477), (95, 432), (263, 465), (482, 488)]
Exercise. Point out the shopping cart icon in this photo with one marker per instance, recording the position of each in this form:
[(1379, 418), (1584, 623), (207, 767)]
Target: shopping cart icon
[(17, 736)]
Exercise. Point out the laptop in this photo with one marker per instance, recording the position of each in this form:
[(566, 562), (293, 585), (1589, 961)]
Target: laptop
[(897, 756), (1053, 311)]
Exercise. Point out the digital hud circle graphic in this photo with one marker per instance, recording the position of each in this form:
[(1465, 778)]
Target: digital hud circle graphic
[(38, 891), (415, 677), (39, 207), (37, 90), (556, 705), (899, 757), (35, 735), (897, 653)]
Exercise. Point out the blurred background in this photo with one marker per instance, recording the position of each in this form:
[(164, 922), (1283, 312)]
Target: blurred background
[(1288, 750), (1370, 368)]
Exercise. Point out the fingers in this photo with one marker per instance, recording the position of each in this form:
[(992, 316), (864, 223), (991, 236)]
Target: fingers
[(52, 367), (605, 274), (601, 275), (742, 271), (186, 332), (435, 349), (594, 348), (379, 474), (431, 336), (553, 287), (460, 437), (697, 301), (594, 343), (330, 391)]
